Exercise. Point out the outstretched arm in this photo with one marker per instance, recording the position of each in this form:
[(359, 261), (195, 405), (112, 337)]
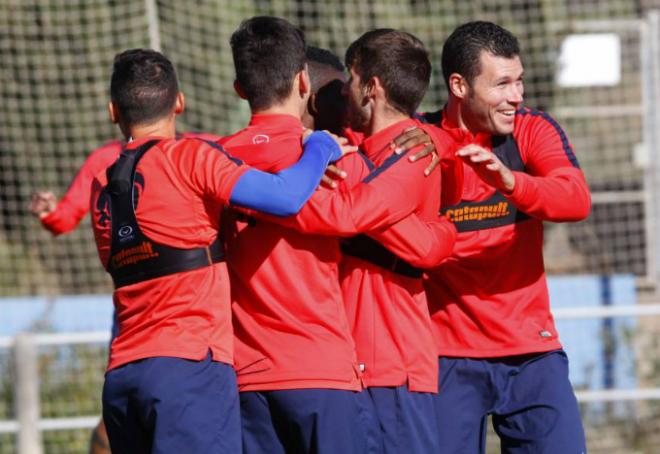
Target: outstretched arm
[(65, 215), (552, 188)]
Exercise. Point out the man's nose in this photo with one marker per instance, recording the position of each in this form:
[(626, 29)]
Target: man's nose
[(516, 92)]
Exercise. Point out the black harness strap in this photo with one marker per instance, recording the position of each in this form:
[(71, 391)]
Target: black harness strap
[(495, 211), (370, 250), (133, 256)]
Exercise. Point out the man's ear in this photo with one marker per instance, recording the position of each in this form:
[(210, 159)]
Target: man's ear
[(180, 103), (373, 88), (304, 82), (239, 91), (458, 85), (113, 112)]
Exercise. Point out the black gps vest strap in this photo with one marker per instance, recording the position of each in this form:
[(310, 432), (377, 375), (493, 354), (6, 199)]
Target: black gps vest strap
[(497, 210), (370, 250), (133, 256)]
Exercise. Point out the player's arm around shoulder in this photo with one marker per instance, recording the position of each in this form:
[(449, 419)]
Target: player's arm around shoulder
[(423, 238), (553, 186), (422, 243), (205, 168), (441, 147), (386, 195)]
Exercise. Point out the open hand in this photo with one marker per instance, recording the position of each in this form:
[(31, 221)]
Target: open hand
[(43, 203), (488, 167)]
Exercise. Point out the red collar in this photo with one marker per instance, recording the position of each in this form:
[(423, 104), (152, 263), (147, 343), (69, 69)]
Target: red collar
[(276, 121), (142, 140), (378, 146), (463, 136)]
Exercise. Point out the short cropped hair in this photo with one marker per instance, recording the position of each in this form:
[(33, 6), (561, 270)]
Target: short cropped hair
[(462, 50), (268, 52), (399, 60), (320, 62), (143, 86)]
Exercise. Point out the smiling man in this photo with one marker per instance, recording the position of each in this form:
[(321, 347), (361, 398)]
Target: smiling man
[(499, 350)]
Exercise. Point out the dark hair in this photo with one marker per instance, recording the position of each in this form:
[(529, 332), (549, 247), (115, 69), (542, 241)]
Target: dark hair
[(323, 57), (327, 108), (268, 53), (143, 86), (462, 50), (319, 63), (398, 59)]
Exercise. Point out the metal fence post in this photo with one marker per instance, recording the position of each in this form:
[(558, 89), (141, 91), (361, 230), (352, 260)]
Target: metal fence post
[(27, 394), (650, 72), (153, 24)]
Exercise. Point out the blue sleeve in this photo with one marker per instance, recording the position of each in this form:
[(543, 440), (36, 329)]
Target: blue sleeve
[(284, 193)]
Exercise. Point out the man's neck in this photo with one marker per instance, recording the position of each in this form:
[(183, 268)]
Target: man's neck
[(454, 114), (162, 128), (383, 118), (288, 107)]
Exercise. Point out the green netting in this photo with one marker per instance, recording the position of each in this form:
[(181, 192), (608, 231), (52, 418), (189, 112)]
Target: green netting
[(56, 60)]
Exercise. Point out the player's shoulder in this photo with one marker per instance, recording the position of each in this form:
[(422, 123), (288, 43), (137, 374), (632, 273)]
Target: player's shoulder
[(529, 119), (111, 148), (432, 118), (100, 179), (114, 144), (201, 136), (193, 147), (356, 165), (245, 137), (440, 136), (357, 160)]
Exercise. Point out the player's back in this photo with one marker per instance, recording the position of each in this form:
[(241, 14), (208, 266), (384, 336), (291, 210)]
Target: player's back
[(289, 320), (181, 187)]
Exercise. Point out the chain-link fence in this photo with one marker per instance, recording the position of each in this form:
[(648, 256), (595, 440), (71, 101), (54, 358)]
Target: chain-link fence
[(56, 60)]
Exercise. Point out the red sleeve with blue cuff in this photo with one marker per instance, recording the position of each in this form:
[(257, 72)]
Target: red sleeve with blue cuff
[(380, 200), (284, 193)]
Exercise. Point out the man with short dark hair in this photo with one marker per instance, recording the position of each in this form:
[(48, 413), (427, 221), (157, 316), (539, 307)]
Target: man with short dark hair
[(170, 385), (499, 350), (297, 373), (389, 75), (381, 281), (326, 108)]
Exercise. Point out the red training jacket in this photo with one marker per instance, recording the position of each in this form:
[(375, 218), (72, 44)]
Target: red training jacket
[(490, 298), (185, 184), (388, 312), (290, 325)]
